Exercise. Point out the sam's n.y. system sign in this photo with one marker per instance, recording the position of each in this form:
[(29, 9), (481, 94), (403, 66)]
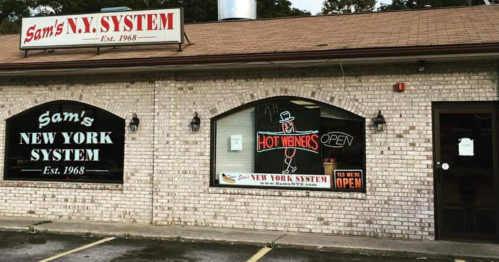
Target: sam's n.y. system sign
[(103, 29)]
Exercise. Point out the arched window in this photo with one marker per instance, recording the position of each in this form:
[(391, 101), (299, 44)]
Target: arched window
[(65, 141), (290, 143)]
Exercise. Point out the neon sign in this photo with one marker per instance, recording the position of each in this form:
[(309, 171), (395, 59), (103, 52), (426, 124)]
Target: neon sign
[(336, 139), (307, 141), (288, 140)]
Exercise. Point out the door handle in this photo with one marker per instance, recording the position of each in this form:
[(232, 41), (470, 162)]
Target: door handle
[(439, 169), (444, 166)]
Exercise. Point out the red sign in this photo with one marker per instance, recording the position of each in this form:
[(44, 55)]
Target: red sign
[(308, 141), (120, 28), (348, 179)]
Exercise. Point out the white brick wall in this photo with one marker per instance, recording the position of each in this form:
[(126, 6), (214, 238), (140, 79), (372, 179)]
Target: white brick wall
[(399, 199)]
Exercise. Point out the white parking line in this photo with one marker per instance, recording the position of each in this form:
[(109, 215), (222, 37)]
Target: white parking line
[(260, 254), (78, 249)]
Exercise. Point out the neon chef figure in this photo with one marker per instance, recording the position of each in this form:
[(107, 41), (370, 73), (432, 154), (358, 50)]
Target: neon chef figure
[(288, 127)]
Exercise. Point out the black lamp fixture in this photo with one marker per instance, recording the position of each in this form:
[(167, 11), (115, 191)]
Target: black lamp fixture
[(379, 123), (134, 123), (422, 66), (195, 123)]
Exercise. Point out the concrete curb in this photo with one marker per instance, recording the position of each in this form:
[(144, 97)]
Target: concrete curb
[(344, 244), (390, 246)]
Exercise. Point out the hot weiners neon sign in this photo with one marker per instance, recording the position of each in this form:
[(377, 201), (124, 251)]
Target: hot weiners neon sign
[(139, 27), (307, 140)]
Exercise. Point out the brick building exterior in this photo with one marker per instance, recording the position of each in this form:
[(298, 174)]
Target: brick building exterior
[(167, 168)]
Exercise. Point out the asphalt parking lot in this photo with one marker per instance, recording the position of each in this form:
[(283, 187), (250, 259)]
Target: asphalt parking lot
[(41, 247)]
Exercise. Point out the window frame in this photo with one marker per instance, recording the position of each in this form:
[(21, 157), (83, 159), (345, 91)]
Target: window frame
[(213, 145)]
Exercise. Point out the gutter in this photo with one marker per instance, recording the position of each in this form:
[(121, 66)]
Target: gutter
[(360, 54)]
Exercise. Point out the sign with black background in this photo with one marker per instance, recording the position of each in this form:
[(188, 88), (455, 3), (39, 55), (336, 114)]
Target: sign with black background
[(269, 118), (65, 141), (348, 180)]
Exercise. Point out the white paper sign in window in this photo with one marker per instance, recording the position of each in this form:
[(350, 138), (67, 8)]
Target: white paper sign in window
[(236, 142), (466, 147)]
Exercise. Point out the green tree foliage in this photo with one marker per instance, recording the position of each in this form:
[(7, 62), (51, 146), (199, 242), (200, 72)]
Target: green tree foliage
[(421, 4), (11, 12), (397, 5), (14, 9), (9, 27), (278, 8), (347, 6), (195, 10)]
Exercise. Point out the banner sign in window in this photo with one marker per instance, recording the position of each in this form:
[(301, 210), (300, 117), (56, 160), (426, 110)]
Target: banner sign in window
[(65, 141), (348, 180), (276, 180), (103, 29)]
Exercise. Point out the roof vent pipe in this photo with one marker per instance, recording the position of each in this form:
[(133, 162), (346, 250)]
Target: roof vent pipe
[(236, 10)]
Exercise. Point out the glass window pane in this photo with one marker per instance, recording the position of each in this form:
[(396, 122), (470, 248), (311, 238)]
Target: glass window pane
[(290, 143)]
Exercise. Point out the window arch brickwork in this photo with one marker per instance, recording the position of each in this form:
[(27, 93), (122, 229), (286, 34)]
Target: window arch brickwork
[(318, 95)]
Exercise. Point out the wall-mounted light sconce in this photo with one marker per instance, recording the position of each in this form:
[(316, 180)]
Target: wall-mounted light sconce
[(195, 123), (134, 123), (379, 123), (422, 66)]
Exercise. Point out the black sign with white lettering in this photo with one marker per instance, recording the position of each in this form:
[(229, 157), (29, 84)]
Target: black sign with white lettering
[(65, 141)]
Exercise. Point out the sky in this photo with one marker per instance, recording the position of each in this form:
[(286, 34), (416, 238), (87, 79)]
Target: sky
[(315, 6)]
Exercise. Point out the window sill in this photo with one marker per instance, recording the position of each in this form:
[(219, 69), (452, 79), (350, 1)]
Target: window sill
[(62, 185), (287, 193)]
